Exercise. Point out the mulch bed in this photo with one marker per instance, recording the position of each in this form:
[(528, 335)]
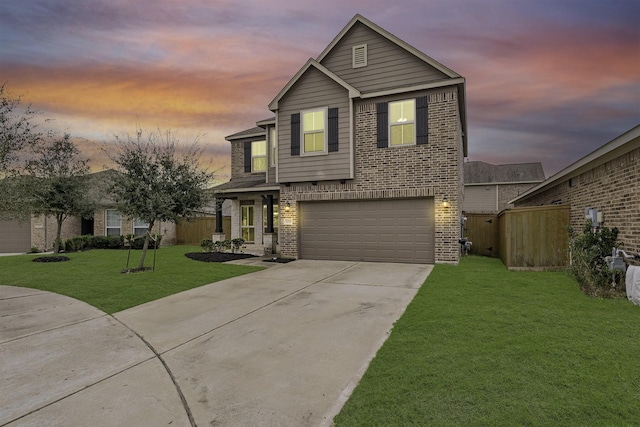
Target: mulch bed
[(59, 258), (280, 260), (136, 270), (216, 256)]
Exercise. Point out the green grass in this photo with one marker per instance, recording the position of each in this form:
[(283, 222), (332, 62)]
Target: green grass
[(94, 276), (482, 346)]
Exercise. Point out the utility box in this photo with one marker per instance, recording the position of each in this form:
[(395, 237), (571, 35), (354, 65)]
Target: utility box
[(616, 263)]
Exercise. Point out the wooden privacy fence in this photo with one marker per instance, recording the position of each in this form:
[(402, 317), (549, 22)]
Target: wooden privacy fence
[(523, 238), (482, 231), (192, 232), (534, 237)]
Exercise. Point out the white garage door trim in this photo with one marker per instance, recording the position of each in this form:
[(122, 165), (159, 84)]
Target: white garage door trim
[(390, 230)]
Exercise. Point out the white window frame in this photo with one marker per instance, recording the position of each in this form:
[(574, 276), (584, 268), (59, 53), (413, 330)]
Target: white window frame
[(139, 224), (273, 144), (262, 156), (251, 217), (325, 150), (108, 227), (354, 49), (406, 122)]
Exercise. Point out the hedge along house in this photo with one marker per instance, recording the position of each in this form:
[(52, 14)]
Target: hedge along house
[(608, 179), (362, 160)]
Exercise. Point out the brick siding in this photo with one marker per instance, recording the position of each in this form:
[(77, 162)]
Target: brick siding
[(508, 192), (432, 170), (43, 230), (237, 159), (613, 188)]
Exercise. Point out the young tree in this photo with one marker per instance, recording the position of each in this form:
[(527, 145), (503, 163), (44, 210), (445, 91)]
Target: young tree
[(17, 135), (56, 176), (157, 182)]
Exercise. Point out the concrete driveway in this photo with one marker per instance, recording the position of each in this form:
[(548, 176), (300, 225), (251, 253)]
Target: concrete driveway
[(281, 347)]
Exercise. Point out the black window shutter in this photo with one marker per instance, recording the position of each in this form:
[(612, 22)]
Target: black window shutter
[(422, 120), (295, 134), (383, 124), (247, 156), (333, 129)]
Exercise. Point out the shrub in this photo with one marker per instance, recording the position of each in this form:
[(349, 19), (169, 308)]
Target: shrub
[(138, 242), (78, 243), (237, 243), (220, 245), (588, 265), (207, 245), (106, 242)]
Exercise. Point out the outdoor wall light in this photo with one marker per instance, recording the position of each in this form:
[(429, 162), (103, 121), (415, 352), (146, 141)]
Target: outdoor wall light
[(287, 207), (445, 202)]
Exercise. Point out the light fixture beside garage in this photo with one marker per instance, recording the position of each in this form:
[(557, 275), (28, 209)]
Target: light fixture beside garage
[(445, 202), (287, 207)]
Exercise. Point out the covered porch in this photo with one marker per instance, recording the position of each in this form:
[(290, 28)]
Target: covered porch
[(254, 214)]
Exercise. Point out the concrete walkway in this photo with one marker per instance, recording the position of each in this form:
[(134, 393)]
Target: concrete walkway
[(281, 347)]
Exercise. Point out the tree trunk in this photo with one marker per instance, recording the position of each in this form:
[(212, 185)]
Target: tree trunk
[(146, 246), (58, 242)]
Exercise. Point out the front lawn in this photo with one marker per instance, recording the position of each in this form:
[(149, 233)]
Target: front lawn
[(94, 276), (482, 346)]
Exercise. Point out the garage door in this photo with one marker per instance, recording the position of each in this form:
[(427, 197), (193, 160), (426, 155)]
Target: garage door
[(15, 236), (371, 230)]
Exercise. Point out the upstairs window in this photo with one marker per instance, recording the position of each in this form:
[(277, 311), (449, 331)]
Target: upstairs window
[(273, 143), (258, 156), (402, 130), (314, 137)]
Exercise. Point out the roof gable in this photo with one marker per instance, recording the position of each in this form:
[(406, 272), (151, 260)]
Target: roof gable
[(359, 19), (311, 63)]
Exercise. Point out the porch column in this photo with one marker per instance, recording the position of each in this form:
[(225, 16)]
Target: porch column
[(219, 202), (270, 214)]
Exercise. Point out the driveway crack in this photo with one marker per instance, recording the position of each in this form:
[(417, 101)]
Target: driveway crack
[(185, 404)]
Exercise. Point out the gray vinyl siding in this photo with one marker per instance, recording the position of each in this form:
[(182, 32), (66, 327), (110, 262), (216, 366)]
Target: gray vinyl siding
[(480, 199), (389, 66), (313, 90), (271, 170)]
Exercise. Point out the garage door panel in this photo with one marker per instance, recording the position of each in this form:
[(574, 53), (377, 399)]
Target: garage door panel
[(381, 230), (15, 236)]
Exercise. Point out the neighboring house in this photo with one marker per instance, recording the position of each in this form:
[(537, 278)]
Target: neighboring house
[(366, 145), (489, 188), (608, 180), (40, 231)]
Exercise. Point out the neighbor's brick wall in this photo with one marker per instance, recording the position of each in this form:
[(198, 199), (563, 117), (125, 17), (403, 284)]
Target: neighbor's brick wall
[(432, 170), (166, 229), (43, 230), (508, 192), (613, 188)]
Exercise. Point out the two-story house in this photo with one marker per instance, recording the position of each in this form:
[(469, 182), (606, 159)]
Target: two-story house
[(362, 160)]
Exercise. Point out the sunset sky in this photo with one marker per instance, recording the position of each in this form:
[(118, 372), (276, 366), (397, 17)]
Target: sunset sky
[(547, 80)]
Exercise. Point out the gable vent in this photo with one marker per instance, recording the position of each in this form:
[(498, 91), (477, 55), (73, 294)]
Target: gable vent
[(359, 56)]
